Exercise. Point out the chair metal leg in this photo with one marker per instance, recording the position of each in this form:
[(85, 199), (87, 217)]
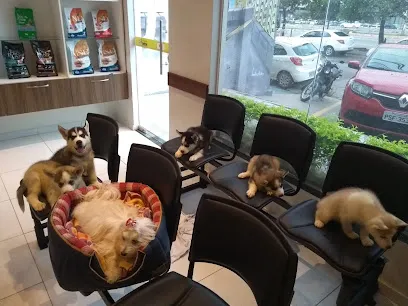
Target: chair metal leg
[(361, 291), (106, 297)]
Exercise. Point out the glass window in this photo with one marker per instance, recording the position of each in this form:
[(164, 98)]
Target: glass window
[(325, 34), (341, 34), (389, 59), (279, 50), (305, 50)]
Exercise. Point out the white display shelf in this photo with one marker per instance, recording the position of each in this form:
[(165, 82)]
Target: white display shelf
[(49, 18), (96, 73)]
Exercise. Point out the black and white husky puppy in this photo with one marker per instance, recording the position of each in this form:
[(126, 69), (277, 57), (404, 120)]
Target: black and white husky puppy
[(194, 142)]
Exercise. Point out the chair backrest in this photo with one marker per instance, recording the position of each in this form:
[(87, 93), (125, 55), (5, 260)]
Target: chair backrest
[(159, 170), (286, 138), (240, 238), (383, 172), (224, 114), (104, 135)]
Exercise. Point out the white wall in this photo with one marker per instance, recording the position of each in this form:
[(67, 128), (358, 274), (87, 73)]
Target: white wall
[(190, 31)]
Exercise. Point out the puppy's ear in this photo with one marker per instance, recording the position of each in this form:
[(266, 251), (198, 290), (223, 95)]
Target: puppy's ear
[(265, 183), (63, 132), (195, 137), (180, 133), (399, 223), (379, 225), (86, 127)]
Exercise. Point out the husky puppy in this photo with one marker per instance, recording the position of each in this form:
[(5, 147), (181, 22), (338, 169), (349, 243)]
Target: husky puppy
[(194, 142), (264, 174), (354, 205), (68, 178), (39, 178)]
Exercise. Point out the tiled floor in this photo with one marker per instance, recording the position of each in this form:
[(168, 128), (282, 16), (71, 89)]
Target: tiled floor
[(26, 274)]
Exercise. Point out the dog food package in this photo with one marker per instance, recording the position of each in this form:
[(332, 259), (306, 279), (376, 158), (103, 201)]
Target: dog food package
[(75, 23), (108, 58), (45, 58), (25, 23), (14, 58), (80, 60), (101, 24)]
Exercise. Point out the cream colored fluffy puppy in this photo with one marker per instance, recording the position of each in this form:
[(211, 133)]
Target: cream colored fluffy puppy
[(353, 205), (116, 231)]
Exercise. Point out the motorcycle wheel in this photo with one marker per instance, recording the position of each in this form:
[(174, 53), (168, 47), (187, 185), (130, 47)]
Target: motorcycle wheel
[(307, 92)]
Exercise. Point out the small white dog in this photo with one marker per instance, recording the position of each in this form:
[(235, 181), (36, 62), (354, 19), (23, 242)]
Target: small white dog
[(354, 205), (116, 230)]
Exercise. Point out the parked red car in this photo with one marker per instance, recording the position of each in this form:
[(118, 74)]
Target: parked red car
[(376, 98)]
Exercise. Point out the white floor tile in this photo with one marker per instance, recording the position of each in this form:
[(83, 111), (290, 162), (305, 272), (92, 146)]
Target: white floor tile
[(201, 270), (122, 172), (3, 192), (23, 156), (12, 180), (33, 296), (230, 287), (25, 219), (127, 138), (9, 225), (41, 257), (17, 267)]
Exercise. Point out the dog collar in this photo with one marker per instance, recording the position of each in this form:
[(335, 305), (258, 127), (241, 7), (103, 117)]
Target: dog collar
[(130, 222)]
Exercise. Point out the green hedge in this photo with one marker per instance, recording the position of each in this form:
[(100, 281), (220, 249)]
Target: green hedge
[(329, 133)]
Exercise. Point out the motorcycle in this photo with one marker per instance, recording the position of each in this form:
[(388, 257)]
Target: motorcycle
[(327, 73)]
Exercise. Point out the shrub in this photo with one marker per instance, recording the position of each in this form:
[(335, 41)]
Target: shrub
[(329, 133)]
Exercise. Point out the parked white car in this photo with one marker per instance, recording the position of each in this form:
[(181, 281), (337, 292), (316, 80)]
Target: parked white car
[(333, 41), (294, 61)]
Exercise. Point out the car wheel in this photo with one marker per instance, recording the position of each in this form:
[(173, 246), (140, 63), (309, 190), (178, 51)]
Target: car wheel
[(284, 79), (329, 51)]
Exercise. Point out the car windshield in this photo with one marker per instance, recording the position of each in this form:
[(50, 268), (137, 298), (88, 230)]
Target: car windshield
[(340, 34), (389, 59), (305, 50)]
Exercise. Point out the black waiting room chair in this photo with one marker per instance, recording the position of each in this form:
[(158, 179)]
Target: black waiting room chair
[(223, 114), (286, 138), (159, 170), (224, 232), (105, 141), (352, 165)]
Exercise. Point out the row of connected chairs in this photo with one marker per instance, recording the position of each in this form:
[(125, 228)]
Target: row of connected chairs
[(353, 165)]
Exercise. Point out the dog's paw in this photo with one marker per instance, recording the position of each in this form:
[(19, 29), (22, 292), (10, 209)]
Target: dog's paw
[(242, 175), (113, 276), (250, 193), (353, 235), (178, 154), (38, 206), (193, 158), (318, 224), (270, 193), (367, 242)]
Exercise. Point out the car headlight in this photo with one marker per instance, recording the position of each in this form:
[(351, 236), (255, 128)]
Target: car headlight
[(361, 89)]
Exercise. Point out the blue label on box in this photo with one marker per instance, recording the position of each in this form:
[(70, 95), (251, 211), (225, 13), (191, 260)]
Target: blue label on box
[(81, 34)]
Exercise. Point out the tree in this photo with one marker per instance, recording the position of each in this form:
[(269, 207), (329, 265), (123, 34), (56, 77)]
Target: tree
[(318, 8), (288, 6), (373, 11)]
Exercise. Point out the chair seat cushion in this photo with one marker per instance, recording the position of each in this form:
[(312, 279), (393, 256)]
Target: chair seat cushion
[(172, 289), (226, 179), (342, 253), (214, 152)]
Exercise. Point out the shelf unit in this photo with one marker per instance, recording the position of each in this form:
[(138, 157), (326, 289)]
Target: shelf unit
[(42, 93)]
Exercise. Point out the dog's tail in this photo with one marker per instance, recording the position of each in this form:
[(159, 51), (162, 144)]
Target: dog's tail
[(20, 195)]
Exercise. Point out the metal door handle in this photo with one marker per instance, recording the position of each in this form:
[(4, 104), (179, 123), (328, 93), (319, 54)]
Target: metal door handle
[(38, 86), (97, 81)]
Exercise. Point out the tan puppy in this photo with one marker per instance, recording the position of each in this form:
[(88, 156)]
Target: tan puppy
[(354, 205), (264, 174)]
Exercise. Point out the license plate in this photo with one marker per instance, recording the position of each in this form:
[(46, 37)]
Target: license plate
[(311, 74), (395, 117)]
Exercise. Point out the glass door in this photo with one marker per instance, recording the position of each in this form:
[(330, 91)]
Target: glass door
[(152, 61)]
